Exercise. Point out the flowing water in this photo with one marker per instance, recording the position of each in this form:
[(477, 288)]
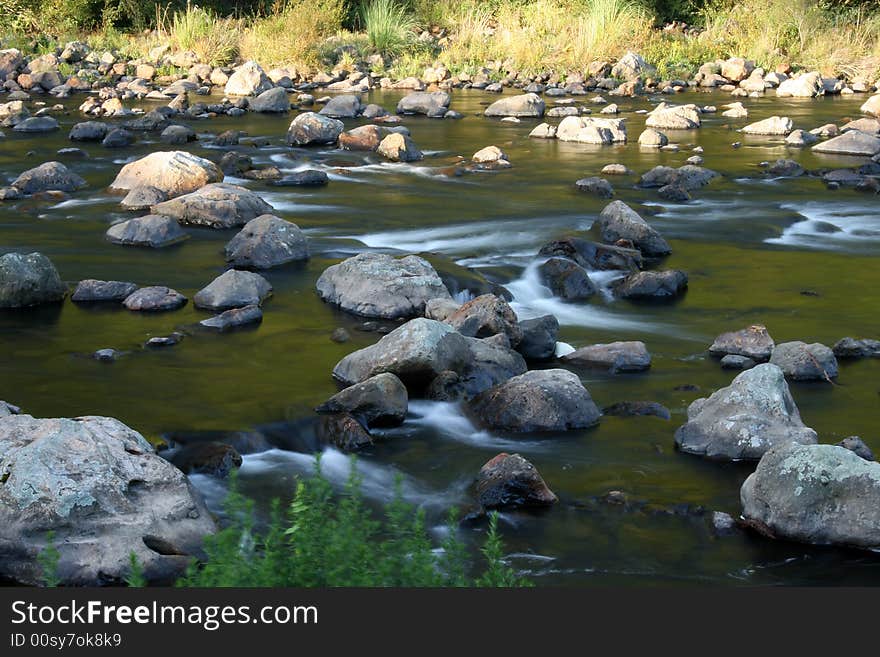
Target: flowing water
[(754, 249)]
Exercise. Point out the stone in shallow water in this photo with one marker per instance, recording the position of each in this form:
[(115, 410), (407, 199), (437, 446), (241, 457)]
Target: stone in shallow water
[(510, 481), (805, 362), (153, 230), (752, 342), (265, 242), (156, 298), (381, 400), (218, 205), (233, 289), (631, 356), (91, 290), (29, 280), (234, 318)]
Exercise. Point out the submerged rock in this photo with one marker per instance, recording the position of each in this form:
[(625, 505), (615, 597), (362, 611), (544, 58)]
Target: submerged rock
[(210, 457), (636, 408), (615, 357), (29, 280), (853, 348), (381, 400), (510, 481), (344, 431), (234, 318)]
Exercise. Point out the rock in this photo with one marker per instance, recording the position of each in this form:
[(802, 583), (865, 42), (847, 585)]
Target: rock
[(735, 111), (614, 357), (247, 80), (164, 340), (345, 106), (434, 104), (153, 230), (742, 421), (652, 284), (340, 335), (267, 241), (52, 176), (525, 105), (819, 494), (637, 408), (539, 400), (596, 186), (871, 126), (752, 342), (7, 409), (510, 481), (381, 400), (398, 147), (858, 447), (543, 131), (173, 172), (156, 298), (785, 169), (723, 524), (852, 142), (689, 177), (538, 338), (652, 138), (485, 316), (143, 197), (775, 125), (489, 155), (233, 289), (217, 205), (416, 353), (615, 170), (99, 487), (210, 457), (807, 85), (306, 178), (589, 130), (310, 129), (271, 101), (631, 67), (872, 106), (177, 135), (363, 138), (233, 318), (440, 309), (37, 124), (153, 121), (593, 255), (674, 117), (618, 221), (805, 362), (800, 139), (29, 280), (732, 362), (118, 138), (737, 69), (567, 279), (491, 362), (343, 431), (88, 131), (852, 348), (91, 291), (674, 192)]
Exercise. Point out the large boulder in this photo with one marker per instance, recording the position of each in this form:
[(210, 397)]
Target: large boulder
[(152, 230), (99, 487), (589, 130), (538, 400), (381, 400), (752, 342), (742, 421), (416, 353), (218, 205), (173, 172), (233, 289), (524, 105), (539, 337), (29, 280), (805, 362), (378, 285), (490, 362), (775, 125), (399, 147), (819, 494), (311, 128), (630, 356), (630, 67), (674, 117), (510, 481), (593, 255), (567, 279), (267, 241), (89, 131), (663, 284), (363, 138), (852, 142), (807, 85), (344, 106), (485, 316), (737, 69), (434, 104), (49, 176), (249, 79), (37, 124), (618, 221), (872, 106), (273, 101)]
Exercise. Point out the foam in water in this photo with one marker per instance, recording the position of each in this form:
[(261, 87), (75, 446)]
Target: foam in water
[(830, 226)]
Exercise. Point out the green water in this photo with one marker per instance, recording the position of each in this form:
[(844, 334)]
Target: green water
[(270, 377)]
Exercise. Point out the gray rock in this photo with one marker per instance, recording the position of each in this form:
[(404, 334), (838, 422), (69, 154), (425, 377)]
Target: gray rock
[(267, 241), (345, 106), (381, 400), (434, 104), (596, 186), (96, 484), (398, 147), (732, 362), (174, 172), (775, 125), (152, 230), (217, 205), (49, 176), (107, 355), (637, 408), (118, 138), (857, 446), (233, 289), (652, 138), (525, 105), (723, 524), (674, 117), (690, 177), (807, 85), (91, 290), (510, 481), (819, 494), (177, 135), (143, 198), (853, 348), (539, 338), (618, 221), (593, 255), (652, 285), (7, 409), (567, 279), (539, 400), (37, 124), (343, 430), (272, 101), (753, 342), (852, 142), (156, 298), (632, 356), (491, 362), (209, 457), (249, 79), (310, 128), (29, 280), (89, 131), (805, 362), (800, 139), (485, 316), (377, 285), (440, 308), (785, 168), (234, 318), (306, 178), (742, 421)]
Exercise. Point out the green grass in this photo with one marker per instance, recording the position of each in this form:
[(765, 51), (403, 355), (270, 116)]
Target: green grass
[(388, 26)]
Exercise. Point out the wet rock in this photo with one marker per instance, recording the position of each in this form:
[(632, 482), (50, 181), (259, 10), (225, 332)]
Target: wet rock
[(37, 124), (785, 169), (853, 348), (381, 400), (340, 335), (742, 421), (674, 117), (398, 147), (567, 279), (143, 198), (858, 447), (217, 205), (689, 176), (153, 121), (363, 138), (156, 298), (596, 186), (652, 285), (173, 172), (210, 457), (775, 125), (538, 338), (88, 131), (491, 361), (753, 342), (7, 409), (306, 178), (416, 353), (97, 484), (674, 192), (249, 79), (106, 355), (636, 408), (485, 316), (651, 138), (593, 255), (153, 230), (525, 105), (91, 291), (819, 494), (343, 431), (310, 129), (618, 221), (377, 285), (510, 481), (233, 289), (441, 309), (615, 357), (177, 135), (48, 176), (267, 241), (539, 400), (164, 340), (807, 85), (234, 318), (850, 143), (118, 138), (434, 104), (800, 139), (271, 101), (723, 524), (805, 362), (731, 362), (589, 130), (29, 280), (344, 106)]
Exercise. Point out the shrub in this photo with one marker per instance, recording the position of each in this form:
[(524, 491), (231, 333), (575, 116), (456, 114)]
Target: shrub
[(388, 25), (213, 39)]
